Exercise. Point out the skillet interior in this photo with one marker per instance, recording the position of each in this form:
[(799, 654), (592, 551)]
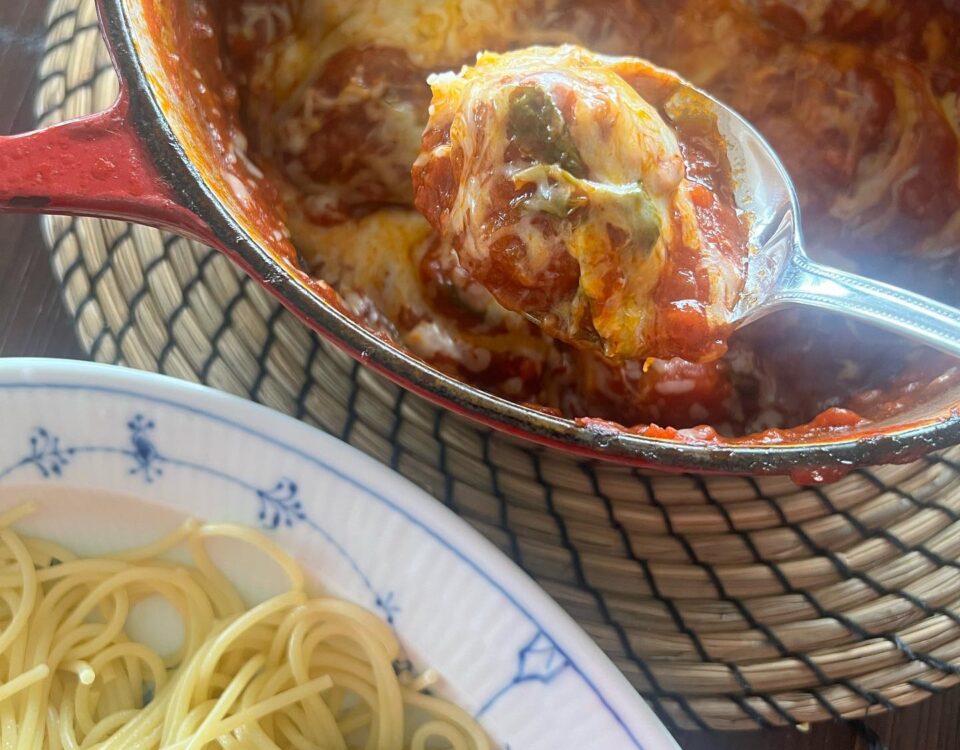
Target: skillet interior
[(175, 115)]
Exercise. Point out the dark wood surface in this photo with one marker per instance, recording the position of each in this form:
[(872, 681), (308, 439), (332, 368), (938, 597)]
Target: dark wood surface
[(34, 323)]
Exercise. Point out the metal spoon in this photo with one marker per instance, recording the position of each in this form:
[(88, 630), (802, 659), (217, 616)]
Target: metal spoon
[(779, 272)]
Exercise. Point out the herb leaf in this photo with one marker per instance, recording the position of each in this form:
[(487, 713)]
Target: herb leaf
[(536, 126), (645, 219)]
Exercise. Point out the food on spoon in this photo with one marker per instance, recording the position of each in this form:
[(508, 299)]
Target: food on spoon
[(590, 193)]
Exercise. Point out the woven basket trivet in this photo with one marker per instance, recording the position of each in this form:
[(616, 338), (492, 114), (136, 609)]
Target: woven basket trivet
[(729, 602)]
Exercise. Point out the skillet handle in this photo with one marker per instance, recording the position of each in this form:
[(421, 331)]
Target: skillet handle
[(92, 166)]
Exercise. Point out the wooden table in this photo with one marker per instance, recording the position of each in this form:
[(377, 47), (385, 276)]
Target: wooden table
[(34, 323)]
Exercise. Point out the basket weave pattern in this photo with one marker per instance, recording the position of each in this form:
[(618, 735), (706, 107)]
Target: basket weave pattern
[(729, 602)]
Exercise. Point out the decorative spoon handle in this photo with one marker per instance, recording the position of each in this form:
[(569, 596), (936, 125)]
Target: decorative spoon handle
[(809, 283)]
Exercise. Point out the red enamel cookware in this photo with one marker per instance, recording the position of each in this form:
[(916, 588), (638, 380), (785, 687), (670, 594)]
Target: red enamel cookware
[(162, 155)]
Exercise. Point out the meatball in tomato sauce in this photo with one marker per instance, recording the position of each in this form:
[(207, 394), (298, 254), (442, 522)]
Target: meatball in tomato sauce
[(591, 194)]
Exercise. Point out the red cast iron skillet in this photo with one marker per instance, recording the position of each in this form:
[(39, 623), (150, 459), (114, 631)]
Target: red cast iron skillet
[(153, 158)]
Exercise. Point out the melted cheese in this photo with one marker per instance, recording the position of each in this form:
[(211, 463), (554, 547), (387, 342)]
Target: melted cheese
[(374, 256), (434, 32), (637, 147), (636, 179), (373, 263), (273, 20)]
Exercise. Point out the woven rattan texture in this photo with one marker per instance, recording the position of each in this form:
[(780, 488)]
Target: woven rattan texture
[(729, 602)]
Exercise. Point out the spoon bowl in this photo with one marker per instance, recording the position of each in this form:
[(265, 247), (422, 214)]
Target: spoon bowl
[(779, 272)]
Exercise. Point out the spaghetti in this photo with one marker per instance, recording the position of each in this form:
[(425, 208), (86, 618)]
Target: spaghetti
[(293, 671)]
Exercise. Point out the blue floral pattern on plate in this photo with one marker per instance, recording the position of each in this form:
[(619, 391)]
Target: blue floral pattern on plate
[(540, 660), (279, 504)]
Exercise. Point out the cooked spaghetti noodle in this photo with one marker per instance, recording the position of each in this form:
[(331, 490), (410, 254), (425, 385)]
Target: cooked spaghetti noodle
[(293, 671)]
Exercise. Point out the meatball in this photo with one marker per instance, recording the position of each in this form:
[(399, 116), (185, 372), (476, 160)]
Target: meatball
[(591, 194)]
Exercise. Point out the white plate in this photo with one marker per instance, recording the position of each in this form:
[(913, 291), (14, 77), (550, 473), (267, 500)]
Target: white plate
[(116, 457)]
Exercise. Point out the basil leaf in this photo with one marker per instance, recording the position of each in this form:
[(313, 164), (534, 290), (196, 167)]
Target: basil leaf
[(536, 126), (645, 219)]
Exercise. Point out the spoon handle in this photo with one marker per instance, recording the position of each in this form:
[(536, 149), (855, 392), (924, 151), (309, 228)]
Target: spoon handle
[(898, 310)]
